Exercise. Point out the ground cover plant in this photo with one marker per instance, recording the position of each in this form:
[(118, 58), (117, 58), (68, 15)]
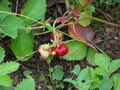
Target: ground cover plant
[(76, 43)]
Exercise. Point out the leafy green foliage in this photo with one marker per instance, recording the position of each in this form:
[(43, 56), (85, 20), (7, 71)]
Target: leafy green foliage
[(5, 8), (90, 56), (105, 84), (105, 66), (5, 80), (76, 4), (23, 44), (86, 21), (35, 9), (8, 67), (2, 54), (76, 69), (114, 65), (77, 51), (26, 84), (116, 81), (57, 73), (27, 73), (85, 79), (6, 2), (11, 29), (42, 78), (102, 61), (4, 88)]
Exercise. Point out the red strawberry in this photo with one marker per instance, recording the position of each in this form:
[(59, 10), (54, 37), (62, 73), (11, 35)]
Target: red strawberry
[(60, 50)]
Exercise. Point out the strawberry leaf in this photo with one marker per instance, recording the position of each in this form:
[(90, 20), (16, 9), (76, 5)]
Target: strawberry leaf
[(77, 51), (85, 21)]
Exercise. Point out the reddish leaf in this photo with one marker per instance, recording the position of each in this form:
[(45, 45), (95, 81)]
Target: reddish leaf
[(84, 33), (74, 11)]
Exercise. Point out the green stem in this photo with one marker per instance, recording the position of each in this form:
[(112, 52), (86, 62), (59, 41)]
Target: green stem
[(78, 39), (21, 16), (103, 21), (37, 27), (26, 56)]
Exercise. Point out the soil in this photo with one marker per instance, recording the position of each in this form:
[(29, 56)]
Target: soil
[(110, 45)]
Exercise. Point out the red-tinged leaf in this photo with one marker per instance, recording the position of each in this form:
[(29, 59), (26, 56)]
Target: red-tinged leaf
[(84, 33), (74, 11)]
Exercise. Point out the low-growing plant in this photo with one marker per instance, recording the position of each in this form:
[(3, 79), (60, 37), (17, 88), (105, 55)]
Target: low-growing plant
[(101, 78), (56, 75), (19, 27)]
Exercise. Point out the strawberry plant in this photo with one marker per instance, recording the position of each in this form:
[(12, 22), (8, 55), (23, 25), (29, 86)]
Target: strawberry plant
[(99, 78), (19, 28)]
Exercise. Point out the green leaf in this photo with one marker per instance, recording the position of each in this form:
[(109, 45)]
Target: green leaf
[(95, 84), (87, 20), (5, 80), (86, 74), (77, 51), (49, 87), (6, 2), (42, 78), (23, 44), (69, 80), (90, 56), (115, 75), (102, 61), (26, 84), (61, 86), (4, 88), (8, 67), (90, 8), (105, 84), (2, 54), (101, 71), (116, 84), (82, 2), (114, 65), (57, 73), (10, 25), (5, 8), (76, 69), (116, 81), (27, 73), (76, 4), (35, 9)]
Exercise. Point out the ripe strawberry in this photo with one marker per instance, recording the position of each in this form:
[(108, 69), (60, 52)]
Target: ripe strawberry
[(60, 50), (57, 35)]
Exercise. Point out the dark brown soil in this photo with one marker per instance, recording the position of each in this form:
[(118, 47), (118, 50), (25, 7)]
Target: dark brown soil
[(110, 45)]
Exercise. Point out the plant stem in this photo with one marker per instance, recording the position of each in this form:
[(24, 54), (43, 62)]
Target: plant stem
[(22, 16), (26, 56), (103, 21)]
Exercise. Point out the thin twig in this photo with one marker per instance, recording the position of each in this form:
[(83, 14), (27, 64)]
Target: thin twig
[(16, 8)]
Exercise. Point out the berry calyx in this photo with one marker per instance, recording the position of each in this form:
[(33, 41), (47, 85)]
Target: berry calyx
[(57, 35), (60, 49), (46, 46)]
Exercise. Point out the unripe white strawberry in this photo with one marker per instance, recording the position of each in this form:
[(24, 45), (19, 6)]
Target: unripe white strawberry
[(44, 53)]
